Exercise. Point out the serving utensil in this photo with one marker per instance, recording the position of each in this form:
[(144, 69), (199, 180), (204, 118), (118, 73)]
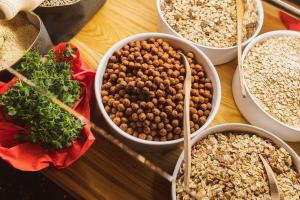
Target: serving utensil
[(289, 7), (2, 40), (186, 122), (240, 16), (274, 189)]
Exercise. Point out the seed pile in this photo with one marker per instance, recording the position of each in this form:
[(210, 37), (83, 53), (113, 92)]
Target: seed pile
[(272, 73), (227, 166), (51, 3), (142, 90), (16, 36), (209, 22)]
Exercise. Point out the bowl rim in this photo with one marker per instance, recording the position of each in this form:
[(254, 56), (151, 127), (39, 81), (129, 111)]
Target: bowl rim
[(260, 12), (102, 67), (256, 40), (235, 126)]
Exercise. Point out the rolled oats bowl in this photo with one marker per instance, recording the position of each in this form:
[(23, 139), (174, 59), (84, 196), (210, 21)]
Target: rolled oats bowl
[(139, 90), (226, 163), (272, 69), (210, 25)]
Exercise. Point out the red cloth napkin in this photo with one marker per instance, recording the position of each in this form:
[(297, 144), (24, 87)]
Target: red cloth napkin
[(32, 157), (290, 22)]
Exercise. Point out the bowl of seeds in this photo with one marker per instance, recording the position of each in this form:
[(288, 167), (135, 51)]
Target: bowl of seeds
[(139, 90), (226, 164), (271, 65), (210, 25), (19, 35)]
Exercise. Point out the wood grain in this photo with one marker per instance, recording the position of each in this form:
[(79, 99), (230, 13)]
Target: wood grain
[(105, 172)]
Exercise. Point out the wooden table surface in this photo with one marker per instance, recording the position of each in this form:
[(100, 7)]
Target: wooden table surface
[(105, 172)]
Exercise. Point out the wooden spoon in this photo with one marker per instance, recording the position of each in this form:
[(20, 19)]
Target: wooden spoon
[(2, 40), (240, 16), (274, 189), (186, 122)]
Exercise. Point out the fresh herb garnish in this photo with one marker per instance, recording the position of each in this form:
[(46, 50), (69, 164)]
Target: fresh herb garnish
[(47, 123), (69, 52)]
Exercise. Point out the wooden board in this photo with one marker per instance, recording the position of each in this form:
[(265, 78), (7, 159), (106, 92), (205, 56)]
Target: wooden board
[(105, 172)]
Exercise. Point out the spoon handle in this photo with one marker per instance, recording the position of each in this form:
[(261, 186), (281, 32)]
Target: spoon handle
[(186, 122), (240, 16), (289, 7), (274, 190)]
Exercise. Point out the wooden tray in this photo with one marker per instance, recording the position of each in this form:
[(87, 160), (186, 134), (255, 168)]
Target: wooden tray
[(105, 172)]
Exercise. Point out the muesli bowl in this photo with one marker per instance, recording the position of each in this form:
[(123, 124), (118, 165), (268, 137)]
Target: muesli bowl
[(240, 129), (218, 55), (200, 57), (251, 108)]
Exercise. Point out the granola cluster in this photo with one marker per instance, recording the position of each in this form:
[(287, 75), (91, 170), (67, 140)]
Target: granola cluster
[(227, 166)]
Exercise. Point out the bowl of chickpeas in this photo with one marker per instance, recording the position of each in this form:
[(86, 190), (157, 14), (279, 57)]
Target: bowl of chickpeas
[(139, 90)]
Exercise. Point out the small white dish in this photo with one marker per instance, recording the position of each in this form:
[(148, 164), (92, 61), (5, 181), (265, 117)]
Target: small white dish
[(175, 42), (217, 55), (236, 127), (252, 110)]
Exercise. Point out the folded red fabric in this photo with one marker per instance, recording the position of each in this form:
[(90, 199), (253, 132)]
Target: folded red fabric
[(32, 157), (290, 22)]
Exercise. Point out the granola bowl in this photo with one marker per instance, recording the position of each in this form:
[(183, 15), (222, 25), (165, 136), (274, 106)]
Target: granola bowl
[(225, 162), (136, 141), (252, 107), (218, 54)]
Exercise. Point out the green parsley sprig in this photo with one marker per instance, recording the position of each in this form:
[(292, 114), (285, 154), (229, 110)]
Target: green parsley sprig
[(47, 123)]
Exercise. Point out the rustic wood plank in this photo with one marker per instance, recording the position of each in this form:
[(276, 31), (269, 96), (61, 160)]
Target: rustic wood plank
[(105, 172)]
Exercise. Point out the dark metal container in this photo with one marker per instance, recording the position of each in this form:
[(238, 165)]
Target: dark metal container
[(64, 22)]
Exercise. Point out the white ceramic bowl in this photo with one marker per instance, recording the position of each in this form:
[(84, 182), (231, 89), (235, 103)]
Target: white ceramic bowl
[(201, 58), (217, 55), (252, 110), (236, 127)]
